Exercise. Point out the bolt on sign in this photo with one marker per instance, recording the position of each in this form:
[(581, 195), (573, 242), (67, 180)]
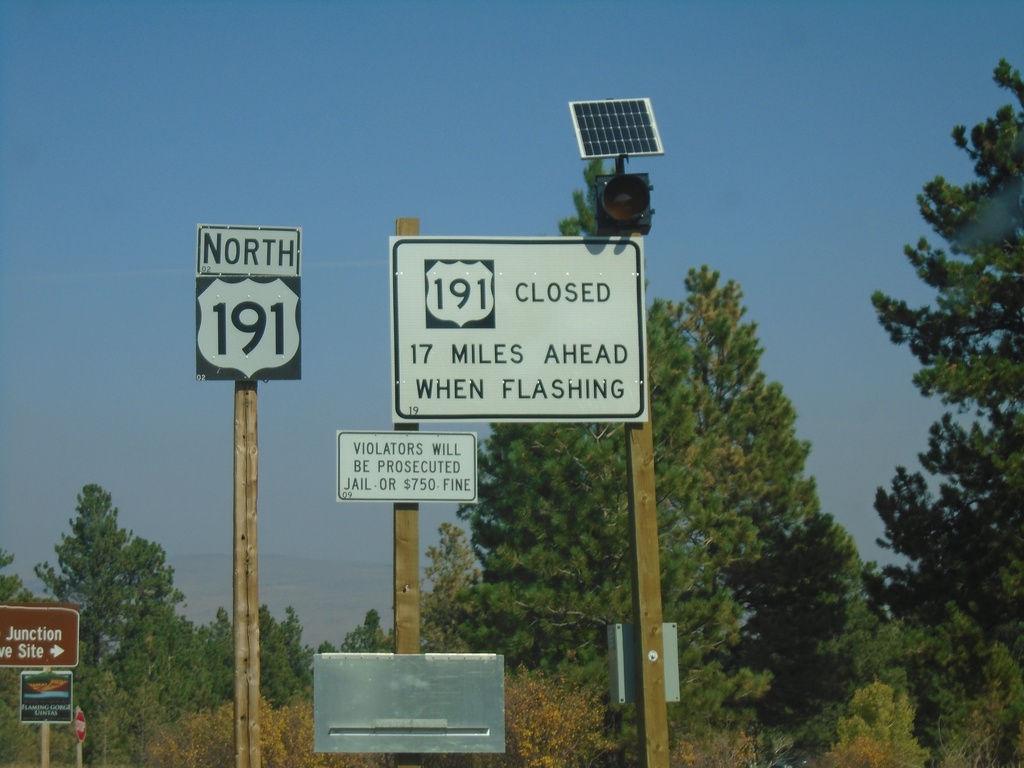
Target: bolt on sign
[(518, 329), (248, 302)]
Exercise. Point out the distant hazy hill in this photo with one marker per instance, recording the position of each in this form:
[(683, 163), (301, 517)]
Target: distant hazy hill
[(331, 598)]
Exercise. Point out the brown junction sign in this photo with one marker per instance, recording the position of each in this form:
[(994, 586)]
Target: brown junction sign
[(38, 635)]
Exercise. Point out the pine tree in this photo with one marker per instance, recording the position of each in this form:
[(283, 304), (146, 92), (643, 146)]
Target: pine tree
[(286, 665), (959, 525), (368, 637), (116, 577), (450, 573), (217, 657), (550, 533), (11, 587), (137, 656), (16, 742), (550, 530), (750, 518), (582, 222)]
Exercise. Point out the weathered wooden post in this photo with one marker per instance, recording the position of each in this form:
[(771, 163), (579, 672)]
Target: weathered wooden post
[(246, 580), (407, 557)]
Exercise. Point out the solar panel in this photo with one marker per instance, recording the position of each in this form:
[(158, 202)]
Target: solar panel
[(615, 128)]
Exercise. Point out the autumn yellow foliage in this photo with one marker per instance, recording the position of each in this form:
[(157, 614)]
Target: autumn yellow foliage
[(206, 740), (199, 739), (719, 750), (549, 723), (878, 732)]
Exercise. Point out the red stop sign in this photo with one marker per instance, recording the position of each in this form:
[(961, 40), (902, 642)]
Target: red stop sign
[(80, 724)]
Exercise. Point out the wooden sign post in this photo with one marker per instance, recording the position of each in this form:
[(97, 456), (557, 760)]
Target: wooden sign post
[(246, 580), (248, 302), (44, 745), (623, 281), (649, 663), (407, 558)]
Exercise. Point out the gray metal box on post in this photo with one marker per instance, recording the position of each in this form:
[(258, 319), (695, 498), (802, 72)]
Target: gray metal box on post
[(408, 703), (621, 662)]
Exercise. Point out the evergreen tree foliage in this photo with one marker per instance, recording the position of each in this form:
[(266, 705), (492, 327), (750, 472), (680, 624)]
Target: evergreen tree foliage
[(451, 571), (748, 520), (368, 637), (551, 528), (582, 222), (118, 579), (959, 525), (286, 665), (12, 590), (550, 533), (138, 659), (156, 673), (217, 657), (16, 743)]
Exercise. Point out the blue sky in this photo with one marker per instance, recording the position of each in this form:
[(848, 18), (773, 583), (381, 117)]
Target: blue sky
[(796, 134)]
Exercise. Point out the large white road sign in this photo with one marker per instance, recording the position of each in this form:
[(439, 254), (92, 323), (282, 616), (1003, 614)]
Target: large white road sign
[(524, 329), (247, 302)]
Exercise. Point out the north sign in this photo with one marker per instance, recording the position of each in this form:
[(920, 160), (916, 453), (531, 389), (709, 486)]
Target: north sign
[(248, 302), (527, 329), (407, 466), (38, 635)]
